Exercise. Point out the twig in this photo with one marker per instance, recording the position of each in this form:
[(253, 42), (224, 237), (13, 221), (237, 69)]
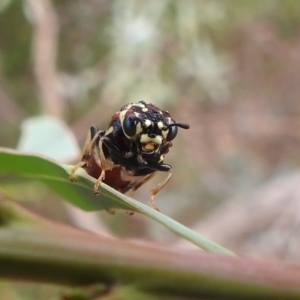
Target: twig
[(35, 249), (44, 56)]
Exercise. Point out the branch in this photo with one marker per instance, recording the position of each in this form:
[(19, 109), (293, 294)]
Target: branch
[(44, 56), (33, 248)]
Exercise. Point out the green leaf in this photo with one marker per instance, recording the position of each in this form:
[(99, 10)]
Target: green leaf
[(80, 193)]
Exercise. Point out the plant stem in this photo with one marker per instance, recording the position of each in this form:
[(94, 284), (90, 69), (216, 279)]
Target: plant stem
[(35, 249)]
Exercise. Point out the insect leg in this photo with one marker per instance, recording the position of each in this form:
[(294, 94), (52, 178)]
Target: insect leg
[(156, 189), (103, 165), (98, 182), (86, 152), (111, 146), (93, 134), (126, 159), (76, 167), (156, 166)]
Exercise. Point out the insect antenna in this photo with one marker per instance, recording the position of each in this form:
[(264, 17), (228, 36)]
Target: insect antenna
[(181, 125)]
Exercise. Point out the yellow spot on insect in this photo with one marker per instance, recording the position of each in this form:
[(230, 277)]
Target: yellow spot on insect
[(139, 105), (147, 123), (109, 130), (165, 133), (160, 125), (144, 109), (139, 128)]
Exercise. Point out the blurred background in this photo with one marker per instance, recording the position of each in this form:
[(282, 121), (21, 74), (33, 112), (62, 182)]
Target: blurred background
[(230, 69)]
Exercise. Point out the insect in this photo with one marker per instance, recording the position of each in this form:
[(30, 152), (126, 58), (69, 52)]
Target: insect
[(131, 150)]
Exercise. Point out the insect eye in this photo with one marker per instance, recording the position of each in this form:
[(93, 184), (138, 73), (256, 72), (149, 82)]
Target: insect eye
[(172, 133), (129, 125)]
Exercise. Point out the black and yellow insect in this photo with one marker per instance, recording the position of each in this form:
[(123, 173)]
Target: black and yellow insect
[(132, 149)]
